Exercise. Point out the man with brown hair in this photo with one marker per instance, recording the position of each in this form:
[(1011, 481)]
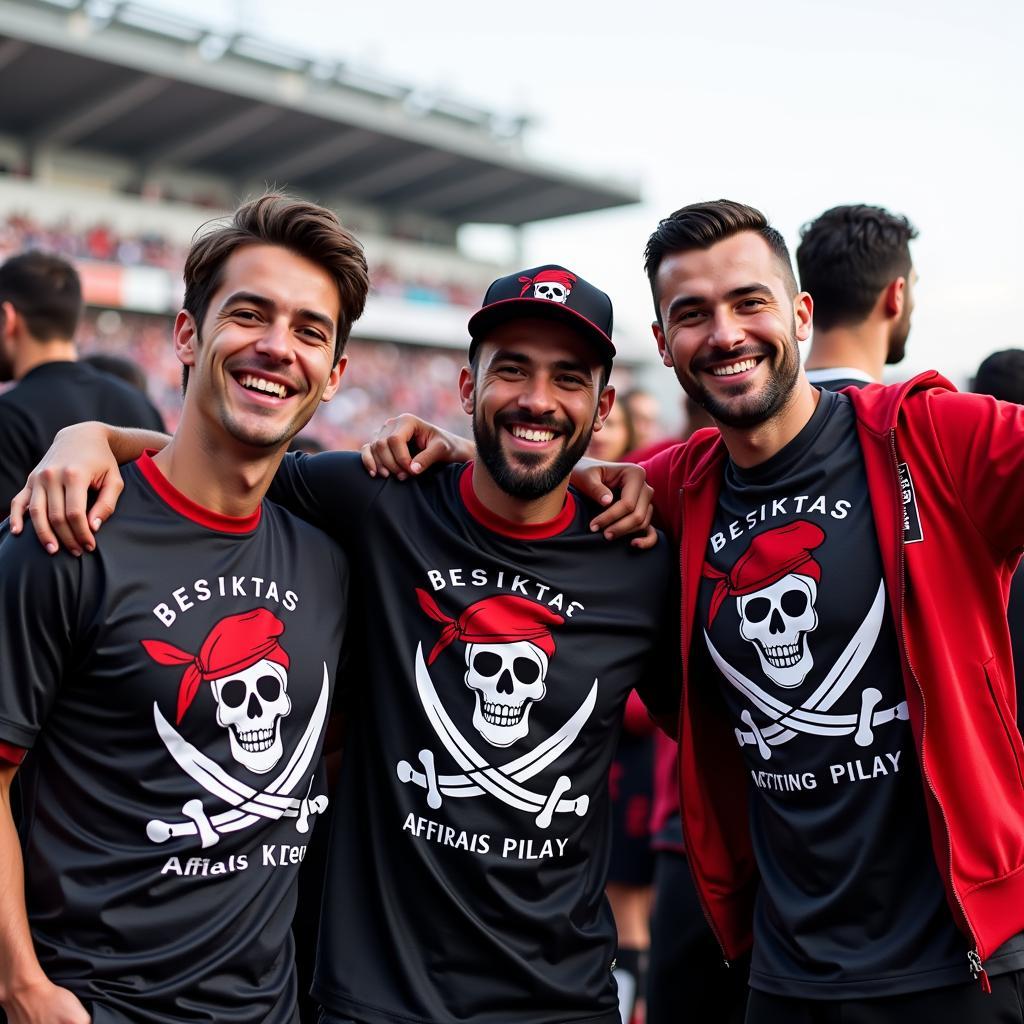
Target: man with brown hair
[(171, 689)]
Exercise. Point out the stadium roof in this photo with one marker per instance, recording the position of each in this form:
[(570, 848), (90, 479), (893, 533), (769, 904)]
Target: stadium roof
[(121, 78)]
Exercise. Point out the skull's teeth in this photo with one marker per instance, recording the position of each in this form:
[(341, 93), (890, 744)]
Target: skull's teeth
[(783, 657), (255, 741), (502, 714)]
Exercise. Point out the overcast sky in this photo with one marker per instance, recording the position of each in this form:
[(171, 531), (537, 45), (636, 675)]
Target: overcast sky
[(792, 106)]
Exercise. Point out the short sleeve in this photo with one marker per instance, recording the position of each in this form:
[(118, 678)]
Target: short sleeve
[(39, 596), (331, 490)]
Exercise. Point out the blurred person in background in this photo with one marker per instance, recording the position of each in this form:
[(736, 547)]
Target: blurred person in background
[(644, 411), (630, 781), (855, 262), (40, 308), (1001, 375)]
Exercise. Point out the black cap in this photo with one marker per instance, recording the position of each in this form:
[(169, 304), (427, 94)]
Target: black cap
[(551, 291)]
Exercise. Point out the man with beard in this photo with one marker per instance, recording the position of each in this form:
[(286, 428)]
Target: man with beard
[(40, 308), (855, 261), (851, 789), (501, 635)]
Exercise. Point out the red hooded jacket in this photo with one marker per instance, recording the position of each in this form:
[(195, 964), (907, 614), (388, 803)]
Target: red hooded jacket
[(948, 592)]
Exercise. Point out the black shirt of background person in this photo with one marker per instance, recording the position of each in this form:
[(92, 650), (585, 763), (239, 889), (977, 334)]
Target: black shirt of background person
[(53, 396)]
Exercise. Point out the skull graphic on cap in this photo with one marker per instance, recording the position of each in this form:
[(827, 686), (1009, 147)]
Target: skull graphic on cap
[(552, 284)]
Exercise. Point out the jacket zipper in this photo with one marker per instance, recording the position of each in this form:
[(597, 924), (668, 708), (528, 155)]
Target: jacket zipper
[(973, 957), (686, 663)]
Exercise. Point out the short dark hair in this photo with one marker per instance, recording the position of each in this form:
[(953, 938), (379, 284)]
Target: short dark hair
[(847, 256), (46, 291), (702, 225), (1001, 375), (308, 230)]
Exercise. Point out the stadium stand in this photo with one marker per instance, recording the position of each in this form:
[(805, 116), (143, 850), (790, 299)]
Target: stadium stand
[(132, 128)]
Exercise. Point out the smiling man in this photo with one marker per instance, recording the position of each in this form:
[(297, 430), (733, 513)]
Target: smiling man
[(171, 688), (851, 787), (501, 634)]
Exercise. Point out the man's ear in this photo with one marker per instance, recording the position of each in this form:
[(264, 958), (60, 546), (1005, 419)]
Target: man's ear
[(663, 349), (803, 315), (467, 390), (334, 380), (186, 338), (894, 297), (10, 319), (604, 406)]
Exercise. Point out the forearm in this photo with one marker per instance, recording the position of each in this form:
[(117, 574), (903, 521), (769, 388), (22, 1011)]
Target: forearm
[(127, 444), (19, 967)]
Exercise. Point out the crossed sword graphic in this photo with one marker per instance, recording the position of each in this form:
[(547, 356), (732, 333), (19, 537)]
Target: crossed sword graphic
[(502, 781), (809, 717), (249, 805)]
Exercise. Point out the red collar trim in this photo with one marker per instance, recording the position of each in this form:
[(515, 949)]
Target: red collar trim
[(506, 527), (187, 507)]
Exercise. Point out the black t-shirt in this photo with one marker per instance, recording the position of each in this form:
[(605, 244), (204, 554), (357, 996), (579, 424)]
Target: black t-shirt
[(797, 626), (173, 689), (53, 396), (470, 838)]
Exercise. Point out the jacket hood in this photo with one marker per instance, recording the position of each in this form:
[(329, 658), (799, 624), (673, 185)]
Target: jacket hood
[(878, 405)]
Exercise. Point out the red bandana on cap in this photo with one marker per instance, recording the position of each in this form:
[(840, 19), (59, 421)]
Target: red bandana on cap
[(771, 555), (562, 277), (235, 643), (502, 619)]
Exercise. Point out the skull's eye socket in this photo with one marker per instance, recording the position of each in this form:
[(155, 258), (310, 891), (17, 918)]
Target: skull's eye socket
[(794, 603), (526, 671), (757, 609), (233, 693), (269, 687), (486, 663)]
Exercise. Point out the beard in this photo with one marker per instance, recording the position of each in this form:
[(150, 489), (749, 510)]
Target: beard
[(530, 476), (898, 340), (760, 406)]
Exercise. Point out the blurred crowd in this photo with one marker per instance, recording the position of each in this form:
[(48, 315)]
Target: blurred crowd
[(100, 242)]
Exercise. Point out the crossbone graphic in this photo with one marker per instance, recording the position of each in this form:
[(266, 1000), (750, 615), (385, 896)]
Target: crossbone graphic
[(810, 718), (248, 805), (502, 782)]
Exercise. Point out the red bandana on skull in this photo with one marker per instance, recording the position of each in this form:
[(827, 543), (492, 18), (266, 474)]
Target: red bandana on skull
[(771, 555), (235, 643), (502, 619)]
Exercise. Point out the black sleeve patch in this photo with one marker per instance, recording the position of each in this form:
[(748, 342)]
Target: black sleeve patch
[(912, 532)]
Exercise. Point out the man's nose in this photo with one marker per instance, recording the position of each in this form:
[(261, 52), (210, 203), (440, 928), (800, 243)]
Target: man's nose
[(537, 396), (276, 341), (726, 330)]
